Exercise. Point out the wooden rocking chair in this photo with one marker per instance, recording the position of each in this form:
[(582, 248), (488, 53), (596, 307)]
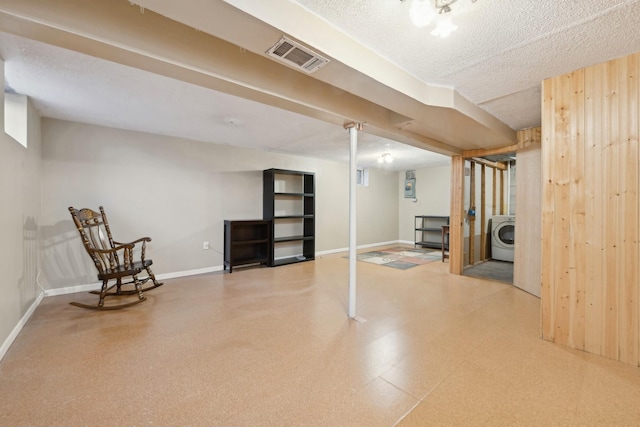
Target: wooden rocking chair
[(114, 260)]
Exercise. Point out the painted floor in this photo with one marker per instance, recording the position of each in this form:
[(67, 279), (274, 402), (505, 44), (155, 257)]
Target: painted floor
[(274, 347)]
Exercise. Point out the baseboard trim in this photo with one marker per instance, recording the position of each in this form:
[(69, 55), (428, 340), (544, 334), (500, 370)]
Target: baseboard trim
[(368, 245), (94, 286), (407, 242), (72, 289), (23, 321), (189, 272)]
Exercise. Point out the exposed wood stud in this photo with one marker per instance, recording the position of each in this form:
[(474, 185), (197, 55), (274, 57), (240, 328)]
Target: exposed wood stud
[(456, 234), (472, 218)]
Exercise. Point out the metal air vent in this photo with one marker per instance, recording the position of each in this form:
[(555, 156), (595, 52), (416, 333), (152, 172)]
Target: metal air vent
[(296, 55)]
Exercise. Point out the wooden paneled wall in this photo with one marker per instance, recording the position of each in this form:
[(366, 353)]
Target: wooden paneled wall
[(590, 233)]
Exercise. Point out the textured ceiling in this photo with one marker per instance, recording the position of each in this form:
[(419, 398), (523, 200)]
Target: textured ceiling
[(497, 58), (67, 85), (502, 49)]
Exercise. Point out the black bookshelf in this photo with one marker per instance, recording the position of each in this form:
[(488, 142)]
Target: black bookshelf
[(289, 203), (428, 231), (247, 242)]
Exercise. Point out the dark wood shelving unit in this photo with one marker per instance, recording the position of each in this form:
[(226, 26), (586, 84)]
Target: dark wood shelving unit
[(289, 202), (428, 231), (247, 242)]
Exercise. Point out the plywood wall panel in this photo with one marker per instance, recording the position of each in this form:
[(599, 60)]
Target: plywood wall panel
[(628, 209), (611, 159), (562, 203), (576, 229), (594, 206), (547, 282), (591, 210)]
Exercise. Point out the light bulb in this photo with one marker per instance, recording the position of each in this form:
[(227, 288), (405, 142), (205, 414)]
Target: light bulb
[(380, 159), (422, 12), (444, 27)]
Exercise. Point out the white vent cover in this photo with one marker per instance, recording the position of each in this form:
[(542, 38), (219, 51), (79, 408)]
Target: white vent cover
[(296, 55)]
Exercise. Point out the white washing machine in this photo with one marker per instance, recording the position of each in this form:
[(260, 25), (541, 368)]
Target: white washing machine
[(503, 233)]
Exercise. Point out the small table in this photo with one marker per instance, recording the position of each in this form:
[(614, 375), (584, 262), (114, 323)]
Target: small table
[(445, 238)]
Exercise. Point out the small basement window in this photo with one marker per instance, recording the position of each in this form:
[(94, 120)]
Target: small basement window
[(362, 177)]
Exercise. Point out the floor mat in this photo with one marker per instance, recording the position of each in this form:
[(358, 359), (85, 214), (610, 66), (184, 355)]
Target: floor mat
[(400, 258), (495, 270)]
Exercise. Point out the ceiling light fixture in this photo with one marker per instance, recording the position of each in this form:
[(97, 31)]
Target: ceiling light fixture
[(423, 12), (385, 158)]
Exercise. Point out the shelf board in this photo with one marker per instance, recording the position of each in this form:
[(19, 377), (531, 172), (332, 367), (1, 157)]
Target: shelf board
[(293, 194), (433, 245), (249, 242), (251, 260), (292, 216), (429, 229), (290, 260), (291, 238), (289, 172)]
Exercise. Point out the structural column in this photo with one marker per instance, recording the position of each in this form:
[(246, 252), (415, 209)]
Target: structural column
[(353, 170)]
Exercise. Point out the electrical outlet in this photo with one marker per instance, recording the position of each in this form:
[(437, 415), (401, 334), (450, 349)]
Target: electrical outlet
[(205, 245)]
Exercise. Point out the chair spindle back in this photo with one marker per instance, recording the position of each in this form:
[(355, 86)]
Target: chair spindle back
[(96, 234)]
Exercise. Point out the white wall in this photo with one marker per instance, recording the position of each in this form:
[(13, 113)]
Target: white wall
[(179, 192), (433, 197), (527, 265), (19, 221)]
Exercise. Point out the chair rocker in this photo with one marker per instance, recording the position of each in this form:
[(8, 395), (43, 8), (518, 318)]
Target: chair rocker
[(113, 260)]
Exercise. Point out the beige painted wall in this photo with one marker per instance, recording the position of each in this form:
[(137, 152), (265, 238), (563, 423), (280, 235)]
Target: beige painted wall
[(377, 208), (19, 218), (433, 195), (178, 192)]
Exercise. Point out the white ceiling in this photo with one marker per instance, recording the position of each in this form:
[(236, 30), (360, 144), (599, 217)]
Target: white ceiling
[(497, 58), (502, 50), (67, 85)]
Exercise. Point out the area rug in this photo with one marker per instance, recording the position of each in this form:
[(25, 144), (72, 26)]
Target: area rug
[(400, 258)]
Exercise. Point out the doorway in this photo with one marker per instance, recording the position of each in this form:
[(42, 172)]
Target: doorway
[(489, 217)]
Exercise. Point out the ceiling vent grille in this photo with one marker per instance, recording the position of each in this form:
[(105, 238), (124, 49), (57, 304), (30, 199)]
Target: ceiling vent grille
[(296, 55)]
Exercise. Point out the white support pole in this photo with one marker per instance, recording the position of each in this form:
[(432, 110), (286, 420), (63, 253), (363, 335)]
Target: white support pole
[(353, 153)]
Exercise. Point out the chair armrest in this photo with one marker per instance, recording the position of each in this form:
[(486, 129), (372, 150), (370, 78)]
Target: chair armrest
[(142, 239), (143, 249), (109, 258), (114, 249)]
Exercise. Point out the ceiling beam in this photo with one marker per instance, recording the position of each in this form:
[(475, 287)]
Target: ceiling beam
[(126, 34), (469, 154)]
